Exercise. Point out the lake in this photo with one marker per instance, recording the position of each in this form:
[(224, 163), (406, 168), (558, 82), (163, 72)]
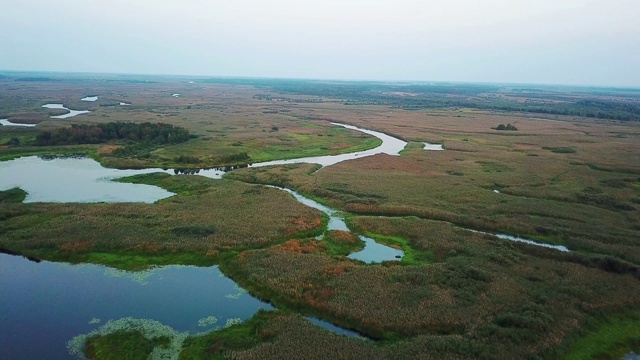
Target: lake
[(74, 179), (45, 305)]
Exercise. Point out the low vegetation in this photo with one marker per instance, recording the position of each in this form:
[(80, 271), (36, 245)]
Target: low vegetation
[(570, 175)]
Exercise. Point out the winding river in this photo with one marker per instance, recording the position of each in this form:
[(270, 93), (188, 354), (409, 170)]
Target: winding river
[(70, 114), (6, 122)]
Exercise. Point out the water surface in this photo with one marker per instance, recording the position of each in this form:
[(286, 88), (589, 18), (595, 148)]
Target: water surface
[(77, 179), (432, 147), (523, 240), (373, 252), (71, 113), (5, 122), (44, 305), (89, 98), (390, 145)]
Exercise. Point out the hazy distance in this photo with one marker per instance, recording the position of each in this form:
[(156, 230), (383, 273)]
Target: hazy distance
[(588, 42)]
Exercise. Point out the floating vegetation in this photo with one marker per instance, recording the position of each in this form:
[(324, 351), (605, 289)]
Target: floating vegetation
[(150, 329), (95, 321), (207, 321), (233, 321), (237, 295)]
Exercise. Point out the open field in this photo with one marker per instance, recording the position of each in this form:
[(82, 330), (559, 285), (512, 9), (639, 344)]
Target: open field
[(563, 179)]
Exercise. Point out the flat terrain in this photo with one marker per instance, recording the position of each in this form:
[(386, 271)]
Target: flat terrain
[(568, 175)]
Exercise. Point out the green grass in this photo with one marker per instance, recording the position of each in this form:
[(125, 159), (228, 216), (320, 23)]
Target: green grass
[(15, 195), (217, 344), (122, 345), (342, 243), (310, 146), (285, 145), (196, 185), (410, 255), (612, 339)]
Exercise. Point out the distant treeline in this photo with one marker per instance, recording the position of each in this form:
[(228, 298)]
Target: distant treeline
[(602, 103), (148, 133)]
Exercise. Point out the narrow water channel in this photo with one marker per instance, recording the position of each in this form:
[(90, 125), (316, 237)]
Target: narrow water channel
[(5, 122), (372, 252), (70, 114)]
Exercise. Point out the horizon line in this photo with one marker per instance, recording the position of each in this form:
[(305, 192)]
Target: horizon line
[(175, 75)]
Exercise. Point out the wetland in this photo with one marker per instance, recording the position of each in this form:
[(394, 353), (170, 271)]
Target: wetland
[(365, 233)]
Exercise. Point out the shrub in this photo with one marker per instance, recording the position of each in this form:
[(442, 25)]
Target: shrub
[(194, 230)]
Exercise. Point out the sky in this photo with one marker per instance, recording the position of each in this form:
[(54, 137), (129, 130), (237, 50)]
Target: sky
[(581, 42)]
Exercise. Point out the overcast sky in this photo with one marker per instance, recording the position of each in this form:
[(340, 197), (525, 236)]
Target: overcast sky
[(593, 42)]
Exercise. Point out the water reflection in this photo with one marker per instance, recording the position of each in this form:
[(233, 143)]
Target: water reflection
[(213, 173)]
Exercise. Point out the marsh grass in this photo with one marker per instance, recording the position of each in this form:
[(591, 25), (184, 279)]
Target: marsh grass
[(220, 344), (112, 346), (207, 219), (15, 195), (465, 295), (608, 339)]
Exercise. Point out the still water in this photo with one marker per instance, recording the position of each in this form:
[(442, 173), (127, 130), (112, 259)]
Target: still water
[(44, 305), (390, 146), (5, 122), (373, 252), (74, 179), (71, 113)]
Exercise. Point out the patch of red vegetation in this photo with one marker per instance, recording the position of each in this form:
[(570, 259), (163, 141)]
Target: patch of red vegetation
[(299, 246), (344, 237), (108, 149), (335, 270), (302, 224)]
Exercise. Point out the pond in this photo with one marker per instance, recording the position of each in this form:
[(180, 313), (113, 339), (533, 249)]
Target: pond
[(74, 179), (45, 305), (89, 98), (432, 147)]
